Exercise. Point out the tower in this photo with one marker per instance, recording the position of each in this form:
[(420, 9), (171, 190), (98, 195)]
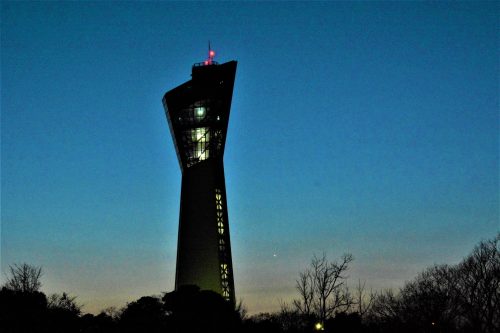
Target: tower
[(198, 114)]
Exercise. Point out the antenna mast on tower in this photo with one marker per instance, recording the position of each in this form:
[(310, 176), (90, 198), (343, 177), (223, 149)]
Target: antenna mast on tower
[(211, 55)]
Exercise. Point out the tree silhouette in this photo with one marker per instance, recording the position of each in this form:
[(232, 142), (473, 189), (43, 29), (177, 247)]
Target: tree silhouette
[(63, 313), (24, 277), (475, 285), (322, 288), (102, 323), (363, 300), (23, 308), (263, 323), (195, 310), (147, 314), (22, 312), (460, 298), (64, 302)]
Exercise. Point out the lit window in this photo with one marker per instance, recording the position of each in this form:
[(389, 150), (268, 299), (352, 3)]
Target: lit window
[(199, 134), (200, 138), (224, 269), (200, 112)]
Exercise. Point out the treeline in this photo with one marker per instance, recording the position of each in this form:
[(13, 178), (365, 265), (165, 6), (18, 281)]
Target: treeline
[(461, 298), (188, 309)]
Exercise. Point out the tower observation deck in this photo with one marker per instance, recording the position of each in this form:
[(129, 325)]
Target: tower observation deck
[(198, 114)]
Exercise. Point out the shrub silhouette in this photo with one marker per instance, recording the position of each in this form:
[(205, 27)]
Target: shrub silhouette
[(22, 312), (147, 314), (194, 310)]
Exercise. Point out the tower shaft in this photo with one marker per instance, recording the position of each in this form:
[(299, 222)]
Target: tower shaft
[(198, 113), (204, 249)]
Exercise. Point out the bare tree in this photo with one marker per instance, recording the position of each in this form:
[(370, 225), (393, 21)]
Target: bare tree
[(241, 309), (290, 318), (363, 300), (476, 287), (463, 297), (386, 306), (305, 287), (24, 278), (322, 287), (332, 293), (64, 302)]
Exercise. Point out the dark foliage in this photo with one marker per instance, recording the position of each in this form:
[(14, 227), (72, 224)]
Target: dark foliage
[(264, 322), (345, 322), (461, 298), (22, 312), (102, 323), (212, 312), (63, 314), (147, 314)]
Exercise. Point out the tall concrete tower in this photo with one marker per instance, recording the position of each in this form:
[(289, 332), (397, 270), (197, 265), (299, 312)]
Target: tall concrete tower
[(198, 114)]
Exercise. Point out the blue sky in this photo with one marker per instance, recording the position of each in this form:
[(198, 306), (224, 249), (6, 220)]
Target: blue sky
[(361, 127)]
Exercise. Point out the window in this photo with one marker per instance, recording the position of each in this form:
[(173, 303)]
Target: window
[(223, 255), (200, 137), (200, 112)]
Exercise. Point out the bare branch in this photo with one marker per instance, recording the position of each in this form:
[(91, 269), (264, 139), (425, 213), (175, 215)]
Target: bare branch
[(364, 301), (24, 278), (322, 287)]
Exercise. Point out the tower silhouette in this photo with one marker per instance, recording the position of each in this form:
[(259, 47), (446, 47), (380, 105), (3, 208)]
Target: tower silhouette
[(198, 114)]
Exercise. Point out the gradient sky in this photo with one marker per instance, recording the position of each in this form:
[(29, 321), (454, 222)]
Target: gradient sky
[(369, 128)]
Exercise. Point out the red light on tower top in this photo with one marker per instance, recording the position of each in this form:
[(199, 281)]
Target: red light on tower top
[(211, 55)]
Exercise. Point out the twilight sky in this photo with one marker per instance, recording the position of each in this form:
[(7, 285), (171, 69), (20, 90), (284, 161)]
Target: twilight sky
[(369, 128)]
